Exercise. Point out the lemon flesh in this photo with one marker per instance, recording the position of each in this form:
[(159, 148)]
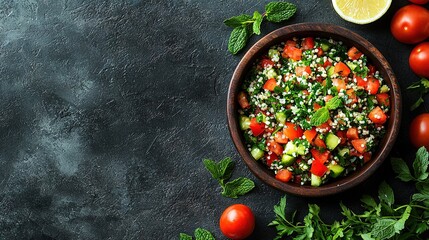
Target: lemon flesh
[(361, 11)]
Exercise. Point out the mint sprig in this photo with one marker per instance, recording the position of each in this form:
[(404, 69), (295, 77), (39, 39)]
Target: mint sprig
[(222, 172), (245, 25), (422, 87), (199, 233), (322, 114)]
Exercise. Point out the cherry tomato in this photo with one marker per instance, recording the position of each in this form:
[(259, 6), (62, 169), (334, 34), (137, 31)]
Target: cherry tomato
[(237, 222), (419, 131), (419, 1), (410, 24), (419, 60)]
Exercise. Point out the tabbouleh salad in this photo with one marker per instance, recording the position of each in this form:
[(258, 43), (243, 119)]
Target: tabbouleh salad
[(313, 109)]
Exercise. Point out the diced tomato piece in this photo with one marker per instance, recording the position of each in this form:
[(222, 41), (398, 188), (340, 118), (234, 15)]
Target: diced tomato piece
[(310, 134), (371, 69), (305, 92), (354, 53), (299, 71), (360, 81), (359, 145), (319, 52), (270, 84), (373, 84), (367, 156), (328, 97), (318, 168), (343, 136), (256, 128), (284, 175), (316, 106), (352, 95), (290, 43), (270, 158), (308, 43), (266, 63), (327, 63), (292, 52), (383, 99), (318, 142), (320, 156), (242, 100), (292, 131), (342, 69), (275, 147), (352, 133), (340, 84), (377, 116), (281, 138), (326, 125)]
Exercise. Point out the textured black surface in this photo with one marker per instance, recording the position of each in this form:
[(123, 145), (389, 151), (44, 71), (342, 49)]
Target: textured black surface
[(108, 108)]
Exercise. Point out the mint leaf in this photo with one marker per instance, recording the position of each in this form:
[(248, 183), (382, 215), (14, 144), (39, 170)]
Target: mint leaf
[(320, 116), (401, 168), (420, 197), (279, 11), (400, 224), (420, 164), (334, 103), (238, 187), (238, 39), (225, 168), (385, 194), (212, 167), (184, 236), (425, 82), (366, 236), (368, 201), (422, 227), (238, 21), (383, 228), (202, 234), (257, 17)]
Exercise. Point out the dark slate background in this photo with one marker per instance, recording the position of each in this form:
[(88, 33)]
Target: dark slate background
[(108, 108)]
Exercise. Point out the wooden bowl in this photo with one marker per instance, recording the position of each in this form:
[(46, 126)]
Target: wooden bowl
[(349, 38)]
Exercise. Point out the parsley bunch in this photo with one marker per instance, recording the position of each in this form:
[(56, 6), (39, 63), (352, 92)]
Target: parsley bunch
[(245, 25), (382, 218), (422, 87), (222, 171)]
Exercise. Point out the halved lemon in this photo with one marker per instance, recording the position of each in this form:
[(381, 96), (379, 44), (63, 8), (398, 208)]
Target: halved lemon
[(361, 11)]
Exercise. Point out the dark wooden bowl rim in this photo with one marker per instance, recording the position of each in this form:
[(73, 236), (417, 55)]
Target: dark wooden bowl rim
[(349, 38)]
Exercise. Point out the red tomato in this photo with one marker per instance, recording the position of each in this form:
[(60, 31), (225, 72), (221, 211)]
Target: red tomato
[(284, 175), (359, 145), (371, 69), (308, 43), (270, 84), (377, 116), (242, 100), (340, 84), (419, 1), (310, 134), (343, 136), (292, 131), (318, 142), (373, 84), (383, 99), (419, 131), (352, 133), (318, 168), (354, 53), (281, 138), (292, 52), (299, 71), (419, 59), (237, 222), (320, 156), (327, 63), (360, 81), (257, 128), (352, 95), (342, 69), (319, 52), (266, 62), (275, 148), (410, 24), (271, 158)]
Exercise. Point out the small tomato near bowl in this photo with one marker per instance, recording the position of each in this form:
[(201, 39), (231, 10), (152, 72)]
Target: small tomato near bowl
[(419, 1), (237, 222), (410, 24), (419, 131), (419, 60)]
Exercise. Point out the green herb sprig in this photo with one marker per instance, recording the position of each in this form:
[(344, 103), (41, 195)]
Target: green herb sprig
[(200, 234), (322, 114), (222, 172), (382, 218), (246, 25), (422, 87)]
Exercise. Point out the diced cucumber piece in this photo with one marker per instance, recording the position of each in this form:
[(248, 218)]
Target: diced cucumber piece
[(330, 71), (301, 150), (271, 73), (281, 117), (343, 152), (336, 170), (274, 54), (384, 89), (332, 141), (287, 160), (256, 153), (244, 122), (315, 180), (351, 65), (325, 46), (291, 148)]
